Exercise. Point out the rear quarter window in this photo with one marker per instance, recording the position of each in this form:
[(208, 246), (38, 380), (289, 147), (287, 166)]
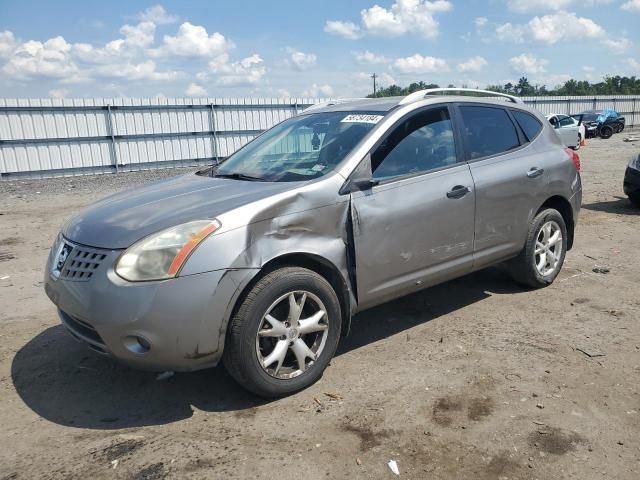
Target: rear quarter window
[(529, 124), (488, 131)]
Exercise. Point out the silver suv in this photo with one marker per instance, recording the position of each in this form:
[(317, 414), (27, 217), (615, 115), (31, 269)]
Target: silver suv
[(261, 261)]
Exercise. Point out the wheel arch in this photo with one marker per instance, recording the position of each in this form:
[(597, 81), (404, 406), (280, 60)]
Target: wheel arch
[(316, 263), (563, 206)]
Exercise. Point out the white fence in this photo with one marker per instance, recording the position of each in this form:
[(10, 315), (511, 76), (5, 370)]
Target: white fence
[(45, 138)]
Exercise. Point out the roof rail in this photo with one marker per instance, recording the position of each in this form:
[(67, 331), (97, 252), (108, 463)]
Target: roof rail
[(421, 94), (328, 103)]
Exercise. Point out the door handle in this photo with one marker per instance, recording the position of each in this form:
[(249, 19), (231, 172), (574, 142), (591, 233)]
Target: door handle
[(458, 191), (535, 172)]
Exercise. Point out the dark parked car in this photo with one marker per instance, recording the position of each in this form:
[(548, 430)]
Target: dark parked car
[(601, 123), (632, 181)]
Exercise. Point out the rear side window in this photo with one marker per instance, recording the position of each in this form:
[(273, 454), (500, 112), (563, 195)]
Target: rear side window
[(529, 124), (488, 131)]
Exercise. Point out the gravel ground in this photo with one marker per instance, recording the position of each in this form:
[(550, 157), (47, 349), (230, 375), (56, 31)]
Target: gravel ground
[(473, 379)]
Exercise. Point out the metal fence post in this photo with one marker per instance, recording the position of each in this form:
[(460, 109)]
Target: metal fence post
[(214, 137), (633, 118), (114, 153)]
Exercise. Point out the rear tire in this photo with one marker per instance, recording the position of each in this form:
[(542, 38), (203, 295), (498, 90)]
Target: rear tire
[(543, 255), (273, 347), (634, 199)]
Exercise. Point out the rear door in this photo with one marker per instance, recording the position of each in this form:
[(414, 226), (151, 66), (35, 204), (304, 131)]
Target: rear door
[(415, 226), (508, 174)]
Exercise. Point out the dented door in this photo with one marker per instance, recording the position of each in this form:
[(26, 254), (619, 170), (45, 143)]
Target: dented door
[(412, 233)]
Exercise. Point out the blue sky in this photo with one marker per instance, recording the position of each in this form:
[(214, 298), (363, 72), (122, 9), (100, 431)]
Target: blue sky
[(67, 48)]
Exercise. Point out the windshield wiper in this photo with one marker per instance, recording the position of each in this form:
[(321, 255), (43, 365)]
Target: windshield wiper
[(239, 176)]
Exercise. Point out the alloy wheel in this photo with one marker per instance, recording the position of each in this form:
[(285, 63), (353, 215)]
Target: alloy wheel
[(548, 251), (292, 334)]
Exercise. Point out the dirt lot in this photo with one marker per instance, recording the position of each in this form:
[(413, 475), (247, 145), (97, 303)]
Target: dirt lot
[(474, 379)]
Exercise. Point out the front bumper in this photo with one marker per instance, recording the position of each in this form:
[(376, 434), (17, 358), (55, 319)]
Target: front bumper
[(181, 320), (632, 182)]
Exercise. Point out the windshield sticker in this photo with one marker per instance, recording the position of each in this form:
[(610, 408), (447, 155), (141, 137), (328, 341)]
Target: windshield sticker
[(372, 119), (318, 167)]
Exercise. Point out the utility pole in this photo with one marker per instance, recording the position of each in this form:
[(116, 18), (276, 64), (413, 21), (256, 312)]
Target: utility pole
[(375, 89)]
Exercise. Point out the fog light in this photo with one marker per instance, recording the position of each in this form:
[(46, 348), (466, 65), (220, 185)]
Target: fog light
[(137, 344)]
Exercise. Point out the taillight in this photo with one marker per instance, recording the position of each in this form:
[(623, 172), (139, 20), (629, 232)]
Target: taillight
[(573, 155)]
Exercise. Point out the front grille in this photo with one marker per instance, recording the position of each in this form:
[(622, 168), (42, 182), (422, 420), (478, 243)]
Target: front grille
[(82, 263), (81, 329)]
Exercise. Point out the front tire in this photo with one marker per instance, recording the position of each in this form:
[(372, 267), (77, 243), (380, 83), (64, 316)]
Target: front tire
[(577, 147), (606, 131), (543, 255), (284, 334)]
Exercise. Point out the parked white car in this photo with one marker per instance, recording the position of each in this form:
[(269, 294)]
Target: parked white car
[(570, 130)]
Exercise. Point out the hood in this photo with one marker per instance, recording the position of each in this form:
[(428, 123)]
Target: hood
[(120, 220)]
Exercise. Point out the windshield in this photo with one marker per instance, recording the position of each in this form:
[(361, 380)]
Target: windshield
[(301, 148)]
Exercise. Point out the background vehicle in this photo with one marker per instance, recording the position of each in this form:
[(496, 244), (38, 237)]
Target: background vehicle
[(602, 123), (571, 131), (262, 260), (632, 181)]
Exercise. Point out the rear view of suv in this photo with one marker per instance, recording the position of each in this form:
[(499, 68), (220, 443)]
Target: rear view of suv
[(262, 260)]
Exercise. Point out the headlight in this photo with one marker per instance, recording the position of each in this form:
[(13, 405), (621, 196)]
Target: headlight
[(635, 162), (161, 255)]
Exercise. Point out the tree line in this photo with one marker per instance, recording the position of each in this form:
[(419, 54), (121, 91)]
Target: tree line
[(615, 85)]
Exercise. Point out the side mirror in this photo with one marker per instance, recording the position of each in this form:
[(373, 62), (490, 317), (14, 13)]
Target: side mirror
[(361, 178)]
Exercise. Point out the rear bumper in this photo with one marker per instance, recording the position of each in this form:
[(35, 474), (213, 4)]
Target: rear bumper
[(182, 321)]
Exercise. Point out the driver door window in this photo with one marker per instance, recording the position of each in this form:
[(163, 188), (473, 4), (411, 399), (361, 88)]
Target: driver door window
[(422, 143), (566, 121)]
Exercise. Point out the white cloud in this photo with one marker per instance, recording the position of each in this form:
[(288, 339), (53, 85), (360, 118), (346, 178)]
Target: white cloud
[(347, 30), (537, 5), (136, 71), (480, 22), (403, 17), (36, 59), (7, 44), (194, 41), (248, 71), (633, 5), (135, 36), (125, 58), (618, 47), (317, 91), (473, 64), (300, 60), (588, 68), (420, 64), (551, 29), (158, 15), (58, 93), (195, 90), (529, 64), (369, 58), (510, 33)]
